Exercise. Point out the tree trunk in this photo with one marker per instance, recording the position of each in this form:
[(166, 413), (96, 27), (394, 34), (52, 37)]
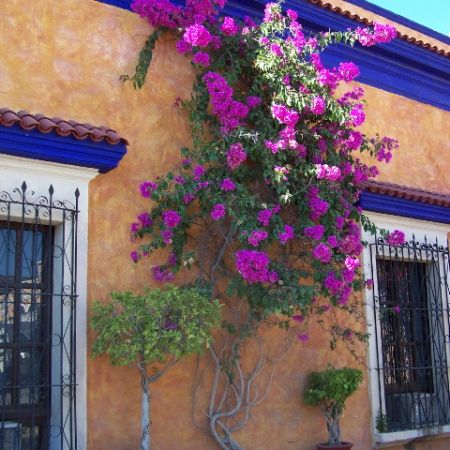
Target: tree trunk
[(145, 412), (334, 431)]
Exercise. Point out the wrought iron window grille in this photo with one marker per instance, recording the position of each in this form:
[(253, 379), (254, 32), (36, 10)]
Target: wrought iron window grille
[(411, 310), (38, 298)]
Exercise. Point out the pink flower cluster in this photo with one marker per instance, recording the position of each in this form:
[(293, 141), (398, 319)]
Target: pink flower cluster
[(254, 267), (381, 33), (227, 185), (387, 145), (171, 218), (326, 172), (317, 206), (161, 274), (202, 59), (229, 27), (322, 253), (357, 115), (314, 232), (337, 287), (271, 12), (197, 36), (351, 242), (396, 238), (287, 234), (348, 71), (147, 188), (236, 155), (265, 215), (229, 112), (354, 140), (257, 236), (218, 211), (162, 13), (285, 115), (318, 105)]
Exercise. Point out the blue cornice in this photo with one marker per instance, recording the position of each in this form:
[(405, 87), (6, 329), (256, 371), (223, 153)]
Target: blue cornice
[(387, 204), (34, 144), (125, 4), (398, 67), (368, 6)]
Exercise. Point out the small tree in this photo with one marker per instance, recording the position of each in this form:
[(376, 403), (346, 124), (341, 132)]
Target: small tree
[(160, 326), (329, 390)]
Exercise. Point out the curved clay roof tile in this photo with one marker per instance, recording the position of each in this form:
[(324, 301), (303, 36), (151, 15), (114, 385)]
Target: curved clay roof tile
[(98, 134), (28, 122), (81, 132), (112, 137), (408, 193), (46, 125), (62, 127), (9, 118)]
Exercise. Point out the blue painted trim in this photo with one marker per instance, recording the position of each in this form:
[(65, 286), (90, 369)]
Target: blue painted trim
[(33, 144), (399, 67), (386, 204), (125, 4), (400, 19)]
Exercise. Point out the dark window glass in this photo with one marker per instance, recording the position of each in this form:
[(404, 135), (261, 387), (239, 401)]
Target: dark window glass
[(25, 345)]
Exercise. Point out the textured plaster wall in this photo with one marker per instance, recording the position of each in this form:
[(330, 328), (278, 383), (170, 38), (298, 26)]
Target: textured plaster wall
[(64, 58)]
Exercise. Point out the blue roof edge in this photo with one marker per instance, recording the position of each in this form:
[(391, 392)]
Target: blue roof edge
[(402, 20), (34, 144)]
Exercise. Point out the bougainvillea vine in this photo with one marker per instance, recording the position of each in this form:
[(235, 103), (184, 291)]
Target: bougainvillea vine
[(264, 202)]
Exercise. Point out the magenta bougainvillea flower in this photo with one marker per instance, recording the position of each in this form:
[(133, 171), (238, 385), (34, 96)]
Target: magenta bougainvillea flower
[(257, 236), (218, 211), (171, 218), (197, 36), (236, 156), (254, 267), (287, 234), (147, 188), (396, 238), (202, 59), (227, 185), (314, 232), (322, 253), (229, 27)]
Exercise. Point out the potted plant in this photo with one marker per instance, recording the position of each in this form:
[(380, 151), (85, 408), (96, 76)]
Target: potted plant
[(329, 390)]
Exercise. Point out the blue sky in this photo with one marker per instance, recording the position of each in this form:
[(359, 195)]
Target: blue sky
[(433, 14)]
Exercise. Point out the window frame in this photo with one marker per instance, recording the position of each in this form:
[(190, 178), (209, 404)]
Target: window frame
[(65, 179), (418, 228)]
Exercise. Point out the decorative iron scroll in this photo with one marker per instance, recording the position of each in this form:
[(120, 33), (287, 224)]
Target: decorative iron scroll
[(411, 328), (38, 297)]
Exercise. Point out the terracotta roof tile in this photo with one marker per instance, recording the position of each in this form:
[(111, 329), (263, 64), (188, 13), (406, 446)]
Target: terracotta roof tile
[(405, 37), (408, 193), (62, 127)]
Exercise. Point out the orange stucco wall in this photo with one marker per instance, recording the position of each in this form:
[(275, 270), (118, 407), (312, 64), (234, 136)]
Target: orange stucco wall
[(64, 58)]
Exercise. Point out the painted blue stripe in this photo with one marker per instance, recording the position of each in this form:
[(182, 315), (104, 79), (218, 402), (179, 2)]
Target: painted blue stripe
[(66, 150), (400, 20), (398, 67), (125, 4), (386, 204)]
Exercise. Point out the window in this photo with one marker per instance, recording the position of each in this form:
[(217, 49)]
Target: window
[(408, 310), (25, 310), (37, 321)]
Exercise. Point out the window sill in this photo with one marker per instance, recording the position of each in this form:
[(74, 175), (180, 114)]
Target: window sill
[(385, 440)]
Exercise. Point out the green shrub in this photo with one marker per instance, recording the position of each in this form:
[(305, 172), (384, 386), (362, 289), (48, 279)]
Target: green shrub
[(329, 391)]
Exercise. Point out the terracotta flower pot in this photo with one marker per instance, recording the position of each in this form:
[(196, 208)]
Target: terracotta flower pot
[(341, 446)]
